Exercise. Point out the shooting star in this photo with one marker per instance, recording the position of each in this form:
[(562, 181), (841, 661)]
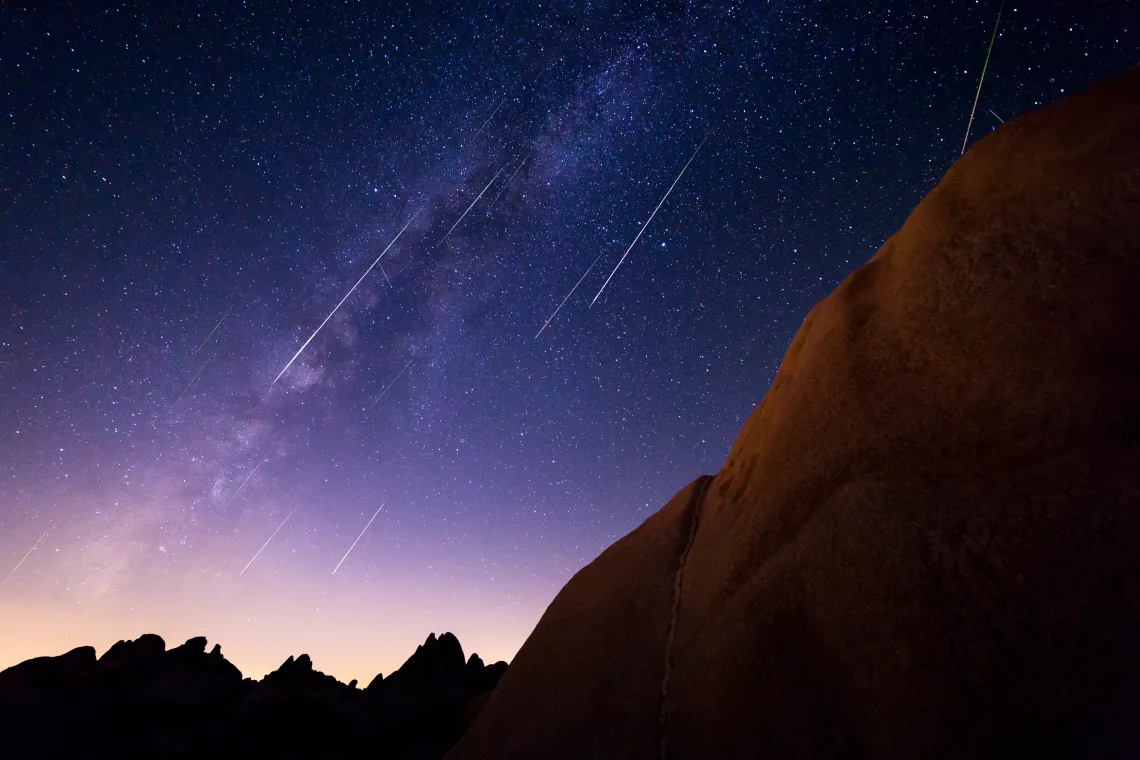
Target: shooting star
[(509, 180), (385, 277), (259, 551), (488, 121), (346, 295), (17, 567), (982, 78), (342, 559), (567, 298), (385, 391), (247, 477), (995, 115), (207, 340), (183, 393), (477, 197), (647, 221)]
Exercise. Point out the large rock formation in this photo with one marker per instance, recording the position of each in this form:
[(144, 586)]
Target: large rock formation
[(925, 541), (141, 700)]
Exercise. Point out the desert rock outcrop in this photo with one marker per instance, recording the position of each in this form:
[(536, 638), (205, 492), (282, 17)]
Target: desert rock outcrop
[(925, 541)]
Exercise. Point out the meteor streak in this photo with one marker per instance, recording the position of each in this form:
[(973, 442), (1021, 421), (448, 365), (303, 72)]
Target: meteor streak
[(183, 393), (511, 179), (385, 391), (567, 298), (995, 115), (207, 340), (647, 221), (982, 78), (247, 477), (342, 559), (488, 121), (259, 551), (477, 197), (17, 567), (346, 295)]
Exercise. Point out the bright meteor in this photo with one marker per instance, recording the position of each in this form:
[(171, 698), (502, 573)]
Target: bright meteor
[(982, 78), (346, 295), (17, 567), (259, 551), (342, 559), (647, 221), (477, 197)]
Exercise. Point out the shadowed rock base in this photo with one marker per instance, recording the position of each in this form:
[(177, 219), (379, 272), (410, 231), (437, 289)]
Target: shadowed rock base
[(925, 541)]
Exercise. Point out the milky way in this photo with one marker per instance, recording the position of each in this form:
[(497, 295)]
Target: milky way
[(185, 195)]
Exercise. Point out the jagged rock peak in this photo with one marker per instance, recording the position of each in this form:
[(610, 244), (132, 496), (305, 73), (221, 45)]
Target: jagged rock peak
[(193, 646), (445, 651), (147, 646), (301, 664)]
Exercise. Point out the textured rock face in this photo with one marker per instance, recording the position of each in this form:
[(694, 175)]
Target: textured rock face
[(925, 541)]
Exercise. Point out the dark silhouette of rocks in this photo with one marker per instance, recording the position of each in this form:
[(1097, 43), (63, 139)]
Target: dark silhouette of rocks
[(145, 648), (375, 683), (925, 541), (428, 693), (46, 675), (142, 700)]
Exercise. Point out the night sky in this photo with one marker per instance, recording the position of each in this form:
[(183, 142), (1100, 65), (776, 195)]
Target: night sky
[(164, 171)]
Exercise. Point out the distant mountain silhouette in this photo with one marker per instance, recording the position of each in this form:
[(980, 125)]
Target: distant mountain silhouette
[(925, 541), (141, 700)]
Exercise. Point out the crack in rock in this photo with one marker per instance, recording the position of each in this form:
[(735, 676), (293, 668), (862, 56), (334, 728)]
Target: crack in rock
[(695, 508)]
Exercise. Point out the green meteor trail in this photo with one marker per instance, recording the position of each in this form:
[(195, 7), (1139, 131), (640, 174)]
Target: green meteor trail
[(981, 79)]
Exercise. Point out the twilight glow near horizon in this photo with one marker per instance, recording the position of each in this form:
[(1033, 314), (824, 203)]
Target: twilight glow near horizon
[(186, 194)]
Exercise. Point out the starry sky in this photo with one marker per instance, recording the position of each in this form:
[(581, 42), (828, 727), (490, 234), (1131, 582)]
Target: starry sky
[(186, 194)]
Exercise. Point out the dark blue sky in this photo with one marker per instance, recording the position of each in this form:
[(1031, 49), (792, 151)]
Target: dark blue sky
[(161, 170)]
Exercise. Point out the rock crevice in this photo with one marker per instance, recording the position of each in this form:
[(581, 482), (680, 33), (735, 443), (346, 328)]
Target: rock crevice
[(695, 503)]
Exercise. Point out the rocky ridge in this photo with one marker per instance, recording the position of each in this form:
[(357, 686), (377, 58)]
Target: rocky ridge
[(142, 700)]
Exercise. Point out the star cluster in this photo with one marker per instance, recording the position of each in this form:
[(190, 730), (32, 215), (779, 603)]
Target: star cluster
[(186, 193)]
